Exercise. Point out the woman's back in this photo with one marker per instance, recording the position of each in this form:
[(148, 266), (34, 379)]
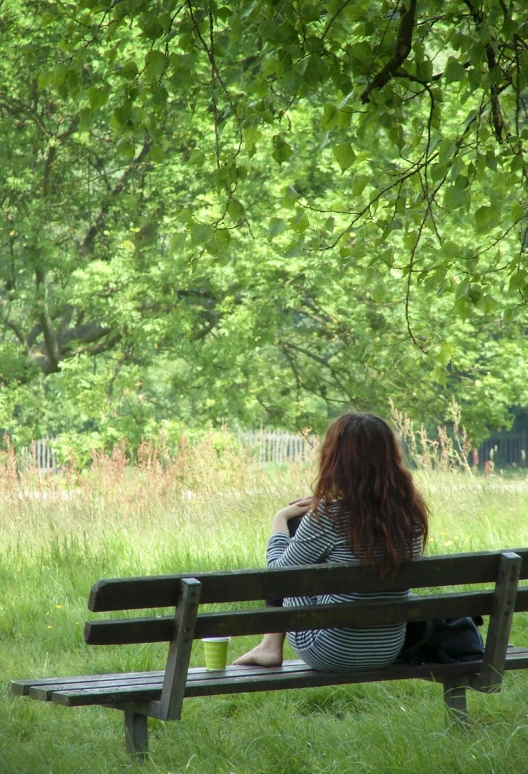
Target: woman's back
[(321, 538)]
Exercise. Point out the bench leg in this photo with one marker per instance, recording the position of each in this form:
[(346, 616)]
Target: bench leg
[(136, 734), (455, 699)]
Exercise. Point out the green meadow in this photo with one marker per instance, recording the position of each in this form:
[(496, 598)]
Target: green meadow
[(209, 510)]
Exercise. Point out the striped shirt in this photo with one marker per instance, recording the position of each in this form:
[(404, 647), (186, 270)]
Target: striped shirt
[(318, 541)]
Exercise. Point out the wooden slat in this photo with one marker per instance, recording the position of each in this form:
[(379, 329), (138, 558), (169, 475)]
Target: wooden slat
[(238, 623), (316, 679), (160, 628), (237, 679), (245, 585), (124, 681), (118, 695), (516, 658), (301, 678), (21, 687)]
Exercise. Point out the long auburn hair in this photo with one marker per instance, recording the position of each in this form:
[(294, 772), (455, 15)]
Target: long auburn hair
[(380, 510)]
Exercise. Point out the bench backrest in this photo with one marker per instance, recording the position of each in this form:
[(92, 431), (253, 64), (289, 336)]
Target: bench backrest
[(250, 585)]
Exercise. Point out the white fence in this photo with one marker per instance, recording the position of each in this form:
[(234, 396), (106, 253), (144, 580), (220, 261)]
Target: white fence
[(278, 446), (266, 445), (40, 455)]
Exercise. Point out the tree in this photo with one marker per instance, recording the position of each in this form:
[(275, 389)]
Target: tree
[(250, 210), (385, 79)]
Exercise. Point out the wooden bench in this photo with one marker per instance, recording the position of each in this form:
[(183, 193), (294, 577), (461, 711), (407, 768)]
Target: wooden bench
[(160, 694)]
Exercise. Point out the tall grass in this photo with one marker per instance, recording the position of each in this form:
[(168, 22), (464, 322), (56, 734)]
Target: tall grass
[(210, 508)]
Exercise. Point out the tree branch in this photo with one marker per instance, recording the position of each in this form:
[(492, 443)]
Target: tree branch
[(88, 241), (402, 51), (50, 340), (496, 114)]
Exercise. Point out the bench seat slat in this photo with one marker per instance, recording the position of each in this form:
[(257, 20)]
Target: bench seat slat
[(146, 686), (246, 585), (21, 687), (45, 693), (118, 695), (310, 678)]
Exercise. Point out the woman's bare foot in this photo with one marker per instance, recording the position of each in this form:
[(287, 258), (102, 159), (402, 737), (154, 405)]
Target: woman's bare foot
[(267, 653)]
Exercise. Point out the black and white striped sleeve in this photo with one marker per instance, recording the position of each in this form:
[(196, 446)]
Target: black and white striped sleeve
[(311, 544)]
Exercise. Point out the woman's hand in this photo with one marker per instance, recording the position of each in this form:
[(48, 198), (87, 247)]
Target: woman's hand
[(301, 500), (296, 508)]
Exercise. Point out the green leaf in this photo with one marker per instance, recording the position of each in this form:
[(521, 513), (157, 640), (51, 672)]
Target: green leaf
[(156, 64), (344, 155), (454, 197), (518, 280), (59, 74), (487, 303), (251, 137), (97, 97), (358, 184), (129, 70), (517, 211), (445, 151), (445, 353), (424, 70), (362, 55), (486, 218), (126, 148), (156, 154), (330, 117), (290, 198), (438, 375), (201, 233), (281, 150), (454, 71), (185, 215), (378, 293), (45, 79), (197, 158), (450, 248), (316, 69), (409, 241), (300, 221), (276, 227), (177, 242), (235, 210), (463, 307), (222, 239)]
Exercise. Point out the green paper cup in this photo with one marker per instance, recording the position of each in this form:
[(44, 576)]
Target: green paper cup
[(215, 650)]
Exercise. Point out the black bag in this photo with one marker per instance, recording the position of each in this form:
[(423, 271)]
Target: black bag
[(443, 641)]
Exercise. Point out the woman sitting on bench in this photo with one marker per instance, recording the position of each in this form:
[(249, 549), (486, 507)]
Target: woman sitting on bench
[(366, 510)]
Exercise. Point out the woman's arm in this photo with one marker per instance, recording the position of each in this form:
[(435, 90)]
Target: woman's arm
[(310, 545), (279, 525)]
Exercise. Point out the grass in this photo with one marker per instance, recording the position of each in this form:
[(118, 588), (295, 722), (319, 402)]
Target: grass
[(210, 510)]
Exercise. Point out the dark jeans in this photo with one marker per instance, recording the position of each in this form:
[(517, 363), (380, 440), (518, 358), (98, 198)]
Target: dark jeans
[(293, 526)]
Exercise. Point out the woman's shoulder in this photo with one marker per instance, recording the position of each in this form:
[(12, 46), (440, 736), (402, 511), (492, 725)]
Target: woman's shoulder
[(327, 514), (329, 507)]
